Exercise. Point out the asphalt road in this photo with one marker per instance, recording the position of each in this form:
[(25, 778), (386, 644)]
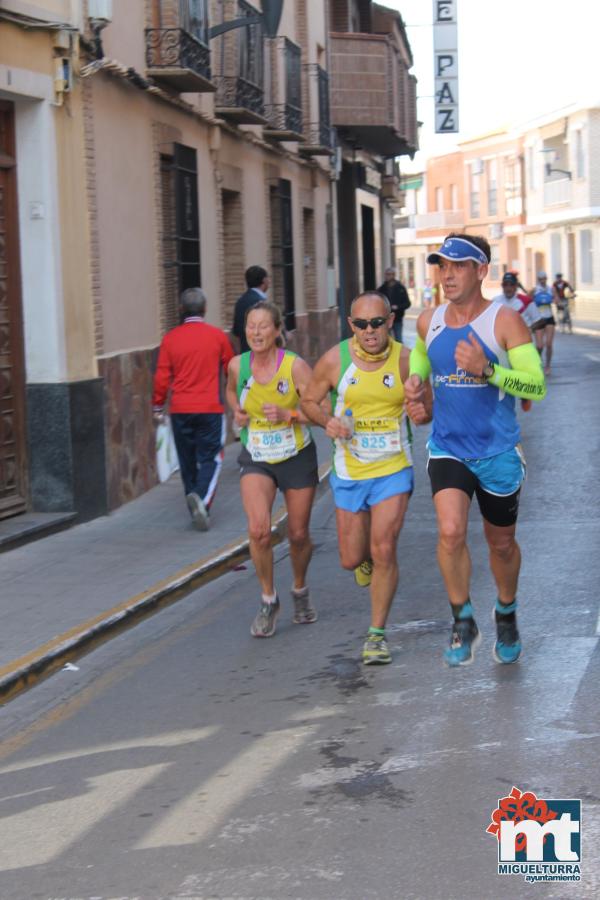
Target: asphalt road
[(186, 759)]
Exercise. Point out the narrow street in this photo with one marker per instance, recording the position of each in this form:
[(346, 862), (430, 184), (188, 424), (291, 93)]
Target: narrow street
[(185, 759)]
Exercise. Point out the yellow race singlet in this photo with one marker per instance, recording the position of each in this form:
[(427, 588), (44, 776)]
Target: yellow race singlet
[(266, 441), (380, 444)]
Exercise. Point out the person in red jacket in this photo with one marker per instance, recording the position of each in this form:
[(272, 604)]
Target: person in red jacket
[(190, 362)]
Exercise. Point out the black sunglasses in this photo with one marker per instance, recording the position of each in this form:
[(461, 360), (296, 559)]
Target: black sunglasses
[(377, 322)]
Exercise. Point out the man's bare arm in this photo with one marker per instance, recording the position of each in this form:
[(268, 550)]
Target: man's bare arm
[(318, 387)]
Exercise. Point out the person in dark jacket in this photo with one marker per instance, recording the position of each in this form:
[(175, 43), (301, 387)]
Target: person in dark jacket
[(397, 294), (257, 281)]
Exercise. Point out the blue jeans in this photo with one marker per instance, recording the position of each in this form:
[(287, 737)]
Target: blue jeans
[(199, 439), (397, 328)]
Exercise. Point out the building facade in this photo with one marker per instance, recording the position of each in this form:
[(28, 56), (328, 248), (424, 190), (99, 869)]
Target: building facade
[(373, 107), (533, 193), (563, 203), (171, 159)]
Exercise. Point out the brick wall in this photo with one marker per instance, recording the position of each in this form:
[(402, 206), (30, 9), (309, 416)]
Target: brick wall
[(338, 15), (234, 252), (92, 202), (309, 260)]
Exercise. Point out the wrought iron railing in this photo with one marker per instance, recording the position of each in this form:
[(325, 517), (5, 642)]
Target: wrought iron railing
[(236, 92), (284, 117), (176, 48), (318, 134)]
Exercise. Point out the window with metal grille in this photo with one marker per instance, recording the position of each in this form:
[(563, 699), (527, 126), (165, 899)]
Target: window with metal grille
[(282, 249), (250, 48), (194, 18), (293, 84), (181, 227)]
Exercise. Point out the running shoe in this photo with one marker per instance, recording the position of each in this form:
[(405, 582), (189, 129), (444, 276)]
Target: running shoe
[(198, 512), (364, 573), (304, 611), (464, 640), (265, 619), (507, 648), (375, 650)]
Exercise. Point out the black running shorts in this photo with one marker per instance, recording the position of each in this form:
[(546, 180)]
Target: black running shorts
[(500, 510), (300, 471)]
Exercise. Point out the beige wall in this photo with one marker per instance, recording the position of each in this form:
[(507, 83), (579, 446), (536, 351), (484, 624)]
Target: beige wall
[(287, 25), (49, 10), (123, 39), (77, 297), (125, 216), (29, 50)]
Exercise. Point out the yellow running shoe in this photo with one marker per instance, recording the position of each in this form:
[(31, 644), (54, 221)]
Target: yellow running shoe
[(376, 651), (364, 573)]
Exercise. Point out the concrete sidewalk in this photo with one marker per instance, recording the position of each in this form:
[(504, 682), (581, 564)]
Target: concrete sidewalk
[(69, 591)]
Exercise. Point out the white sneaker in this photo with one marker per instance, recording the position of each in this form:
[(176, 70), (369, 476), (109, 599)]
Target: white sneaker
[(198, 512)]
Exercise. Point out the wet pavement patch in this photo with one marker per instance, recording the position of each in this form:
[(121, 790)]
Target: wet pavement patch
[(358, 780), (346, 673)]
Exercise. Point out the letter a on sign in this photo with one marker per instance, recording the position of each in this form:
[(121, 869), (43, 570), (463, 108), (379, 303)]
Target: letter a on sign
[(445, 56)]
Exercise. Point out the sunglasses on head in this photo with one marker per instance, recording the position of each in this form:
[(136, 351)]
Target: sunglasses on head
[(377, 322)]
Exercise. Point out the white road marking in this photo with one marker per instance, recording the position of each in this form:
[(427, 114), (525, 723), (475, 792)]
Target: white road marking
[(317, 712), (207, 807), (169, 739), (45, 831), (593, 356)]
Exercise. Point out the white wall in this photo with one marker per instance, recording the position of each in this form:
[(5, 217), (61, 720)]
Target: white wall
[(39, 223)]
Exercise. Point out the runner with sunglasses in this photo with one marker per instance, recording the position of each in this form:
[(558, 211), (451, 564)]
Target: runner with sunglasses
[(372, 477)]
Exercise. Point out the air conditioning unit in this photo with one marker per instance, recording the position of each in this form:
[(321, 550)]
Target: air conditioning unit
[(496, 230), (100, 10), (477, 166)]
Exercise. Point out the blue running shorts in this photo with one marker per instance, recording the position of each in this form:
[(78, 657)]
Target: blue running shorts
[(356, 496), (502, 474)]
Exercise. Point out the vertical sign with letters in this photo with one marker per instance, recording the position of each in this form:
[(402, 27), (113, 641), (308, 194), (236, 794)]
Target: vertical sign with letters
[(445, 56)]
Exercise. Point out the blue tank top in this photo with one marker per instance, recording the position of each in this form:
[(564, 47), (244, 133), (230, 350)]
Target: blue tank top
[(542, 296), (471, 418)]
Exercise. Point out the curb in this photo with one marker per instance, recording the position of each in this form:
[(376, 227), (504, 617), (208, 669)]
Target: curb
[(27, 671)]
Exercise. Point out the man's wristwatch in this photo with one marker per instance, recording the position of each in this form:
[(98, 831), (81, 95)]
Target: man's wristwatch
[(488, 369)]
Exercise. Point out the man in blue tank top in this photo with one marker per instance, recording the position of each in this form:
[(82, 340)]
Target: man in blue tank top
[(480, 356)]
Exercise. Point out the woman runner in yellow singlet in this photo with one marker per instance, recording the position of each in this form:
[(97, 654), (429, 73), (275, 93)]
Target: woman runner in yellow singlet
[(263, 390)]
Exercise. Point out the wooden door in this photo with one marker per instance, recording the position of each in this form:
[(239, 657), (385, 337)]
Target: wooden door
[(13, 458)]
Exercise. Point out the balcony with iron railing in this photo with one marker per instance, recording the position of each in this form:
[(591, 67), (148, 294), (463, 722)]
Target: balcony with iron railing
[(284, 111), (239, 70), (178, 60), (284, 122), (319, 137), (373, 97), (239, 100)]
